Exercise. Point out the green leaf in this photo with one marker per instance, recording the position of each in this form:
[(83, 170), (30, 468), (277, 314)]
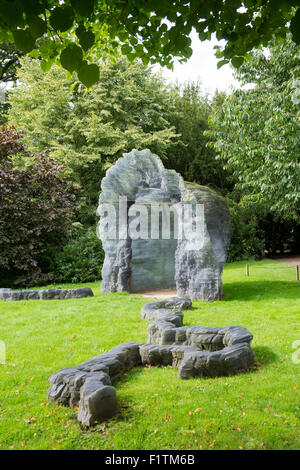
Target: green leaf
[(188, 52), (11, 14), (46, 65), (33, 7), (62, 18), (37, 26), (237, 61), (88, 74), (34, 53), (139, 50), (221, 63), (126, 49), (83, 7), (219, 53), (122, 35), (86, 38), (71, 58), (295, 27), (24, 40)]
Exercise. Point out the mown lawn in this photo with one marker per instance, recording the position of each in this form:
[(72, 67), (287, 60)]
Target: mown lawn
[(257, 410)]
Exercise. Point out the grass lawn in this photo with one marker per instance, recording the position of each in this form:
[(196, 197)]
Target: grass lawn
[(257, 410)]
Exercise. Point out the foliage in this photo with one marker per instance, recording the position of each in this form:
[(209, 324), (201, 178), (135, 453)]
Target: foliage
[(190, 155), (248, 240), (9, 61), (81, 258), (36, 209), (69, 32), (128, 108), (256, 410), (257, 232), (257, 131)]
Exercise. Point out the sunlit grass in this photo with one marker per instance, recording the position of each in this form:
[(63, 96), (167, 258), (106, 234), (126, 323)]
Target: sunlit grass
[(257, 410)]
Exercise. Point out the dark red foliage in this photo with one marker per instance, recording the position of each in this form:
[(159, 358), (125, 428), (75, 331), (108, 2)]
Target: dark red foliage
[(37, 207)]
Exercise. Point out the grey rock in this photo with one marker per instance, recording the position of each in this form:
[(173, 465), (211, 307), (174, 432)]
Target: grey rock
[(201, 351), (199, 272), (145, 264), (195, 351), (161, 332), (164, 355), (45, 294), (4, 290), (89, 384), (229, 361), (235, 334), (98, 402), (155, 355), (155, 310), (178, 303)]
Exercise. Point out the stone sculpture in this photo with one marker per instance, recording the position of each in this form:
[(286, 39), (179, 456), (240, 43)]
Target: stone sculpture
[(196, 351), (140, 264)]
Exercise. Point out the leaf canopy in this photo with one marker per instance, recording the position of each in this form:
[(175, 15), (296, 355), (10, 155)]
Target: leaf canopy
[(156, 31)]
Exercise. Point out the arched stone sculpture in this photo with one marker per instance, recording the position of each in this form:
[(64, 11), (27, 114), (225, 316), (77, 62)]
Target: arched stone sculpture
[(195, 350), (137, 264)]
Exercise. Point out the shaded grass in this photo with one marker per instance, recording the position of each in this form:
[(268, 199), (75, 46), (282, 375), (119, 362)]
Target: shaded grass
[(257, 410)]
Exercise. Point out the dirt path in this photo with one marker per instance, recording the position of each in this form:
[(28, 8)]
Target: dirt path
[(158, 294), (291, 260)]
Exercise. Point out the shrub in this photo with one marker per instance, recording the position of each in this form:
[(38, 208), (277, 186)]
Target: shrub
[(81, 258), (247, 238), (37, 206)]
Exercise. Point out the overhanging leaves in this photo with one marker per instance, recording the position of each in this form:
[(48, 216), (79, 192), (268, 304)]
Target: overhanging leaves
[(24, 40), (88, 74), (62, 18), (71, 58)]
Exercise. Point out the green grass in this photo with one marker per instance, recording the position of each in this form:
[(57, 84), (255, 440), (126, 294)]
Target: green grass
[(256, 410)]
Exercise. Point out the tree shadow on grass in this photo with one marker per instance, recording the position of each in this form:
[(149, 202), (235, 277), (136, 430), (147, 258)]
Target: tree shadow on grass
[(264, 290), (263, 356)]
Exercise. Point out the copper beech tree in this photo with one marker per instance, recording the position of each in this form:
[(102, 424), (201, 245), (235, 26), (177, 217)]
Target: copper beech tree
[(37, 204)]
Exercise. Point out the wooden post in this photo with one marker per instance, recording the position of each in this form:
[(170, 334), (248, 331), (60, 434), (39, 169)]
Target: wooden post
[(247, 269), (297, 273)]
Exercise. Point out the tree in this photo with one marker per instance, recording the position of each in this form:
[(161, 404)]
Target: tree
[(257, 131), (89, 130), (190, 155), (9, 61), (156, 31), (36, 210)]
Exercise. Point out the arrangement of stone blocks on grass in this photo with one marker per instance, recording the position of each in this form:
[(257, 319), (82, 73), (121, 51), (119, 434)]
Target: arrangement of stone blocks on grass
[(45, 294), (195, 350)]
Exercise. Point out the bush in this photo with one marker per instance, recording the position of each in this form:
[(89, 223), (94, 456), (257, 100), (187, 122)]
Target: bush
[(247, 238), (37, 207), (257, 233), (81, 259)]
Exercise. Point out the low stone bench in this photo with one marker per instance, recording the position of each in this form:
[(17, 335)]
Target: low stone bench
[(155, 310), (195, 350), (45, 294), (88, 385)]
